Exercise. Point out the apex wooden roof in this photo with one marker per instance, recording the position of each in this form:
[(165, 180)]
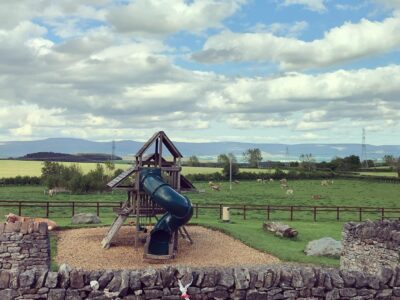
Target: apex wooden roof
[(165, 140)]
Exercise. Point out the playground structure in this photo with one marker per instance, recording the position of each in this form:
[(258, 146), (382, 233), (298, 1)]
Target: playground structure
[(154, 186)]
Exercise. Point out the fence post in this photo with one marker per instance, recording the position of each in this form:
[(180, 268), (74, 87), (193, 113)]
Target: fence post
[(220, 211), (244, 212), (268, 211), (47, 209), (19, 208), (382, 213), (98, 209), (315, 213), (360, 212), (197, 210), (73, 208), (337, 213), (291, 213)]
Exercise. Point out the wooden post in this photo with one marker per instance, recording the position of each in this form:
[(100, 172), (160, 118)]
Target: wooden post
[(19, 208), (98, 209), (137, 202), (220, 211), (73, 208), (337, 213), (382, 213), (291, 213), (244, 212), (47, 209), (360, 212), (315, 213), (160, 151), (197, 210), (268, 212)]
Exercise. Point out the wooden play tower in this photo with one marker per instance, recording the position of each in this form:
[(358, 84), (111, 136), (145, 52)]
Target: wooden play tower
[(157, 152)]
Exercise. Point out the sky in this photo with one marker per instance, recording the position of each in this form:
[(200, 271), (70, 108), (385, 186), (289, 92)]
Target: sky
[(262, 71)]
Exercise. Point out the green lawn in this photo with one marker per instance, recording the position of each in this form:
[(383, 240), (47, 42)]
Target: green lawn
[(341, 193)]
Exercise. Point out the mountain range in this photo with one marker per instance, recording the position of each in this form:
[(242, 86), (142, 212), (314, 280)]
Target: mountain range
[(207, 151)]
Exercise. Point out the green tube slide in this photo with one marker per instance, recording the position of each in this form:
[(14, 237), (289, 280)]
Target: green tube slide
[(178, 207)]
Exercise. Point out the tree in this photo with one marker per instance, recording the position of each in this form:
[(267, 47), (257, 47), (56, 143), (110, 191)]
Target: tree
[(193, 161), (307, 161), (224, 160), (389, 160), (253, 157)]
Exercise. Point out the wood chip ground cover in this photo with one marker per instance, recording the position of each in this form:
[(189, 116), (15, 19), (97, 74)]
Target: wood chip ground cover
[(80, 248)]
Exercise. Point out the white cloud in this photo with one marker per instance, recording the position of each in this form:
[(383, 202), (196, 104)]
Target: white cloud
[(161, 17), (313, 5), (282, 29), (340, 44)]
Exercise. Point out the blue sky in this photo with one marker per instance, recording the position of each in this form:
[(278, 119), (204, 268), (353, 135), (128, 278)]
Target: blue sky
[(279, 71)]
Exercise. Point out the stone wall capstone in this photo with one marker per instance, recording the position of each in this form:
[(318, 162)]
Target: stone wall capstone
[(24, 246), (371, 247)]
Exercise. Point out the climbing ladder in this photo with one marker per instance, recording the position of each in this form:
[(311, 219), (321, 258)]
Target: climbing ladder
[(116, 225)]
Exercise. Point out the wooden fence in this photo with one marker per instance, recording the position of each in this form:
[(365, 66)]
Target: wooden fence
[(244, 210)]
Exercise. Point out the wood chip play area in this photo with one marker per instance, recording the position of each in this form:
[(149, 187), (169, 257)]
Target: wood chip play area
[(81, 248)]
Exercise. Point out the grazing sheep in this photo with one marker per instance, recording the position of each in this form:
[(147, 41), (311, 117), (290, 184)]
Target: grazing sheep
[(54, 191), (316, 197), (283, 181), (260, 180), (210, 183), (271, 180), (12, 218), (289, 192), (332, 181), (324, 183), (236, 181), (215, 187), (284, 186)]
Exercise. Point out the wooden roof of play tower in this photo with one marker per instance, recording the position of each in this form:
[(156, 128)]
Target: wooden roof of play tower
[(156, 159)]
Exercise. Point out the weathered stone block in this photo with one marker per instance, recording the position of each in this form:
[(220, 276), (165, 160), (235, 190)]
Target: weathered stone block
[(242, 278), (4, 279), (77, 280), (56, 294), (27, 279)]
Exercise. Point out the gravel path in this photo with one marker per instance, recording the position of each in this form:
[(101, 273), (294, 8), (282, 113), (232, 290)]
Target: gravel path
[(81, 248)]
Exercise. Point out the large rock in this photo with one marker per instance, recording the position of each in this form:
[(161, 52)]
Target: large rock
[(326, 246), (85, 218)]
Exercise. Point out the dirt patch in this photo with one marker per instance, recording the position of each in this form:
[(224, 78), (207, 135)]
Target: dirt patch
[(80, 248)]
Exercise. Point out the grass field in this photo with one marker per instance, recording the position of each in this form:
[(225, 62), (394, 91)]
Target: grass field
[(341, 193), (385, 174), (12, 168)]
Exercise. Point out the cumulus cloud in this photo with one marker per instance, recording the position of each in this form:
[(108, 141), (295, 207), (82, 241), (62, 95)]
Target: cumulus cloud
[(161, 17), (340, 44)]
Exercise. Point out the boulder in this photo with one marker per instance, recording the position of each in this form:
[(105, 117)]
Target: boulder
[(85, 218), (326, 246)]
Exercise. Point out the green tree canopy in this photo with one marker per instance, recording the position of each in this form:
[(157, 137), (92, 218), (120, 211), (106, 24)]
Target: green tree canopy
[(225, 159), (253, 157), (193, 161)]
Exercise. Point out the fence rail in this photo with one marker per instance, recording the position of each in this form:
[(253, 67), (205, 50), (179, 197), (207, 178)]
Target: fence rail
[(291, 210)]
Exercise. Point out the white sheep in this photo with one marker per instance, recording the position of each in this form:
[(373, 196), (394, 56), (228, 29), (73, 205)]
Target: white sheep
[(324, 183), (289, 192), (215, 187)]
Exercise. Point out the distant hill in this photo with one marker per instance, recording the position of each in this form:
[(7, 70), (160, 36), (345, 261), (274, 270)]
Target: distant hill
[(204, 150), (65, 157)]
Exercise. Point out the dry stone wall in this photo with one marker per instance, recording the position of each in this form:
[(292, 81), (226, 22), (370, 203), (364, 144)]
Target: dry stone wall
[(25, 259), (24, 246), (370, 247), (266, 282)]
